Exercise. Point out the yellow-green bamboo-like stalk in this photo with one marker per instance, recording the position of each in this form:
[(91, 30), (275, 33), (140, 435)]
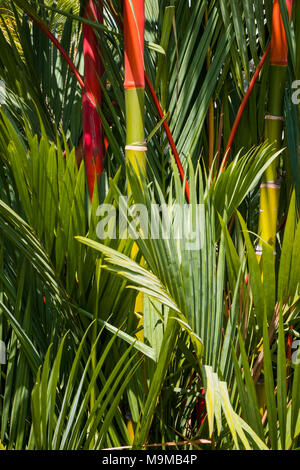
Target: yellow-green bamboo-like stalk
[(135, 149), (270, 187), (134, 83), (134, 88)]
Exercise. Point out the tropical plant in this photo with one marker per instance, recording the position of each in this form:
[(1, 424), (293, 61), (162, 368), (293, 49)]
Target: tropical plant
[(207, 359)]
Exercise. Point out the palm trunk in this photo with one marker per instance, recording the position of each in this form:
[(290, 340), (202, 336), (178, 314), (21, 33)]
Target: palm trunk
[(270, 187), (161, 115), (134, 87), (93, 146), (91, 98), (134, 84)]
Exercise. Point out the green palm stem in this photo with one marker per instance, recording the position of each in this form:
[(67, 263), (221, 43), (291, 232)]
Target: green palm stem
[(134, 88), (134, 84), (94, 359), (270, 187)]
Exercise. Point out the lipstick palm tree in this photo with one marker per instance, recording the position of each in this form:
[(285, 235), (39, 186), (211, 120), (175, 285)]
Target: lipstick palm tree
[(73, 377), (270, 188)]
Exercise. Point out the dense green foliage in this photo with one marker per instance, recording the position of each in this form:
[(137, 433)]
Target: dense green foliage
[(215, 327)]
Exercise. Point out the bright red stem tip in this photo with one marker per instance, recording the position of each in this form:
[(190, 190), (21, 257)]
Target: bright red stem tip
[(134, 28), (279, 45), (106, 143), (289, 5), (92, 97)]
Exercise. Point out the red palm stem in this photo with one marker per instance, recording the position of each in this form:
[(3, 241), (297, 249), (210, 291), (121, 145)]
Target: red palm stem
[(161, 114), (92, 97), (279, 45)]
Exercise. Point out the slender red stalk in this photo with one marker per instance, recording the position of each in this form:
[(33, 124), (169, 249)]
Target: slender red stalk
[(170, 138), (282, 224), (59, 47), (92, 97), (243, 106)]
